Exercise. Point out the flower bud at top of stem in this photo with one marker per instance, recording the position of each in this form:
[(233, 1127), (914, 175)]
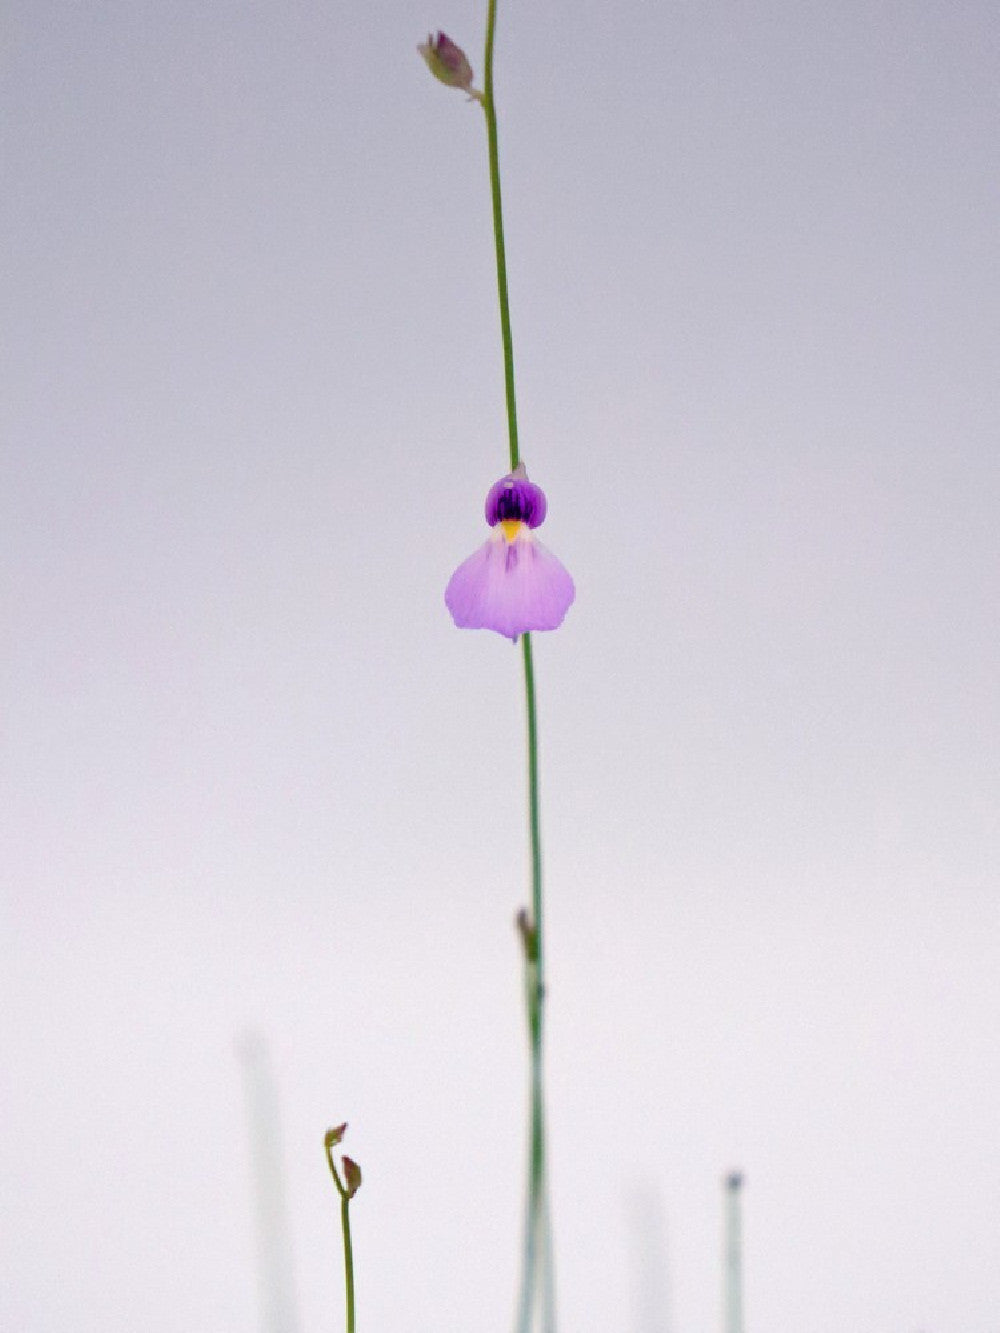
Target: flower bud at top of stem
[(333, 1136), (449, 63)]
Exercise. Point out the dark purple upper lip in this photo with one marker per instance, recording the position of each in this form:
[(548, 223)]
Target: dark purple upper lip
[(515, 499)]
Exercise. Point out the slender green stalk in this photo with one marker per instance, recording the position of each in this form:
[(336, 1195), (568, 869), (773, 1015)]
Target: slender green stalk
[(534, 818), (537, 1266), (491, 130), (536, 1274), (347, 1190), (345, 1224)]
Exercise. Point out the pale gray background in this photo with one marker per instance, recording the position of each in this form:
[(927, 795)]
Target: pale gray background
[(254, 781)]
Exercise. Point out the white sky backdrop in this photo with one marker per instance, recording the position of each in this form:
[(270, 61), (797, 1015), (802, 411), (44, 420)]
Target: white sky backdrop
[(253, 779)]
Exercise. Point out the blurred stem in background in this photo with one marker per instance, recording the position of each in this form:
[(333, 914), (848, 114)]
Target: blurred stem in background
[(733, 1274), (537, 1287), (274, 1252)]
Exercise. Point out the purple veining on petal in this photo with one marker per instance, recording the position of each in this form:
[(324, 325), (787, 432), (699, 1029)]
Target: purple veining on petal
[(510, 587), (515, 497)]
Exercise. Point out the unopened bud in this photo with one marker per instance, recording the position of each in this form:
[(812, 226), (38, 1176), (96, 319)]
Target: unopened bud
[(449, 63), (529, 935), (352, 1177), (333, 1136)]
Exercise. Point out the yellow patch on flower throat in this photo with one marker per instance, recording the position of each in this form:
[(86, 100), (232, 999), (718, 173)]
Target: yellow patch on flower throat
[(511, 527)]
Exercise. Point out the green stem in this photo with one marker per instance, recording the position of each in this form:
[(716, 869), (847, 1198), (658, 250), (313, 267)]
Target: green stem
[(534, 820), (345, 1222), (537, 1237), (535, 980), (345, 1226), (491, 130)]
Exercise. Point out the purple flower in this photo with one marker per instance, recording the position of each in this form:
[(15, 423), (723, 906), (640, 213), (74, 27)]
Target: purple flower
[(512, 584)]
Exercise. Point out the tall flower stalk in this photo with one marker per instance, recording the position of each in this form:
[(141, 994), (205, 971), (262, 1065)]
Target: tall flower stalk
[(514, 586), (536, 1273)]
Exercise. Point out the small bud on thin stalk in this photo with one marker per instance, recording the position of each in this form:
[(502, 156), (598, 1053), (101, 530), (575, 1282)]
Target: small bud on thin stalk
[(347, 1190), (449, 63), (352, 1176), (334, 1136)]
